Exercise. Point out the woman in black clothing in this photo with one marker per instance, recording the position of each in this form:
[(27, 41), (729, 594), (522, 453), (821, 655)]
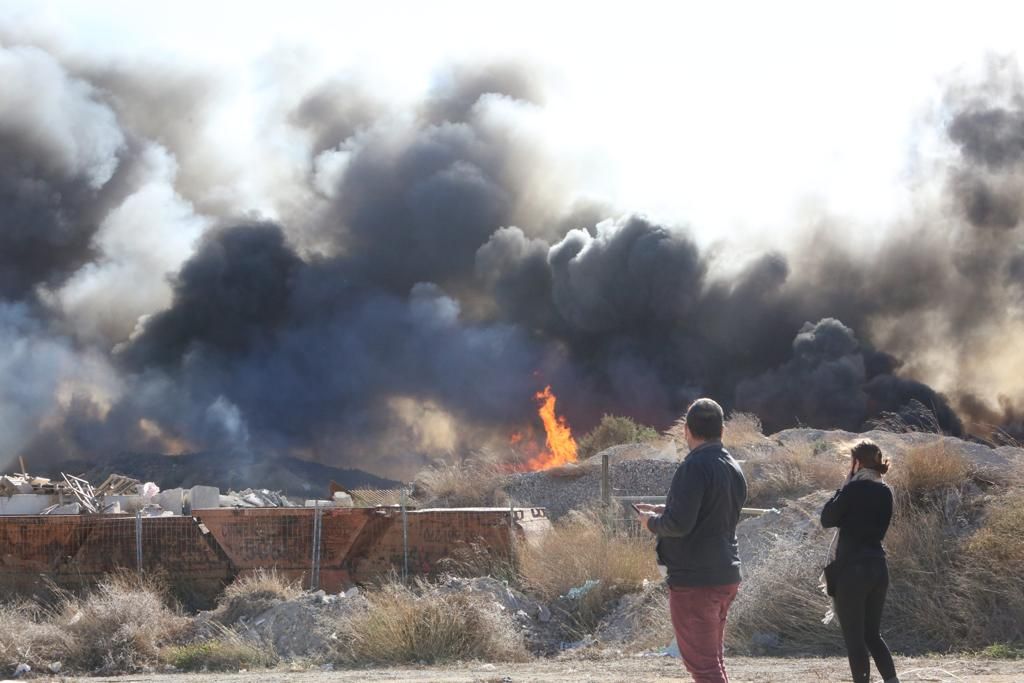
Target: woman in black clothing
[(862, 509)]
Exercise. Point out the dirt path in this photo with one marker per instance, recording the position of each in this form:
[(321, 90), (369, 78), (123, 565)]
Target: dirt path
[(624, 670)]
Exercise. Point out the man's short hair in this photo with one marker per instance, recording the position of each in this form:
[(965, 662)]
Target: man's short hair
[(705, 419)]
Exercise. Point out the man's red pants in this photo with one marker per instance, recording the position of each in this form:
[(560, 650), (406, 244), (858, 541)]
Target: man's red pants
[(698, 617)]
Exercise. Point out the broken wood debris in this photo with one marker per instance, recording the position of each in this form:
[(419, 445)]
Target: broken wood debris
[(118, 485)]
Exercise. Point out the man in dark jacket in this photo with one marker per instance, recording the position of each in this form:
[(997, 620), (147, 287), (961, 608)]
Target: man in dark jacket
[(696, 530)]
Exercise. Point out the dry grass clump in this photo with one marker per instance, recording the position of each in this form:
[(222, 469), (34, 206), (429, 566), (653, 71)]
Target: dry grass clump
[(779, 607), (955, 562), (913, 417), (581, 549), (999, 542), (937, 601), (405, 624), (994, 570), (477, 482), (925, 610), (1015, 473), (475, 558), (253, 593), (646, 619), (929, 468), (26, 637), (228, 651), (117, 627), (789, 473), (262, 584), (742, 429)]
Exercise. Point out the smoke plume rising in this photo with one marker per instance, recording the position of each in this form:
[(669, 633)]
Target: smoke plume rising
[(415, 277)]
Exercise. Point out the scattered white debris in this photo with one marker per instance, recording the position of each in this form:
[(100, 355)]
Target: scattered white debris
[(256, 498), (579, 591)]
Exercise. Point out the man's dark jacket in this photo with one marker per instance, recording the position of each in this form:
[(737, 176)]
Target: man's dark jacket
[(697, 531)]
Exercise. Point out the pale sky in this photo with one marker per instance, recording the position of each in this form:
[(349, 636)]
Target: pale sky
[(737, 118)]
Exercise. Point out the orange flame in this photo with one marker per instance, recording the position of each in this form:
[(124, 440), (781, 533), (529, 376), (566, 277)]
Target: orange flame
[(561, 446)]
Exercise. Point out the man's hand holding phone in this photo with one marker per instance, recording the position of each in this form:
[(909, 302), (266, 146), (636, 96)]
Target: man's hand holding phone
[(644, 512)]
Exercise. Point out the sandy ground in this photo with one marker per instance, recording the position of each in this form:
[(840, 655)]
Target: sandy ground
[(625, 669)]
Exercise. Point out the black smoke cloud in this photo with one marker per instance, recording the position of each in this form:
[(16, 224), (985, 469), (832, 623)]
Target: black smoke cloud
[(61, 152), (437, 275), (309, 356), (833, 379), (227, 298)]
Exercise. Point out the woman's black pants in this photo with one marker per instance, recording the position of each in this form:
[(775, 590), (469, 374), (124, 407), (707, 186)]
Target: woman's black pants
[(859, 599)]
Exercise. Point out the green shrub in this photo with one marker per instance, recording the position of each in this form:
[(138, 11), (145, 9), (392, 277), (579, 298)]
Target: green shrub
[(227, 652), (613, 430), (1003, 651)]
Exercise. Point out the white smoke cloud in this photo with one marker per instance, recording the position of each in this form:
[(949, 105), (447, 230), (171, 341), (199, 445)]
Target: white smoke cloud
[(140, 244), (48, 108)]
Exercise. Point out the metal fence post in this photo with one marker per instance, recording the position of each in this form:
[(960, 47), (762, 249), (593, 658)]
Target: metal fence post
[(512, 538), (606, 485), (138, 540), (314, 574), (405, 538)]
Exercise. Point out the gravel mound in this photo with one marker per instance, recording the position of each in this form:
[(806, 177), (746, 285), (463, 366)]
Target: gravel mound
[(561, 494), (659, 450)]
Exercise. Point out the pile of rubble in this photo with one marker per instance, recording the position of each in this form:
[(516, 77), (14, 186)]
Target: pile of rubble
[(305, 627), (27, 494), (300, 627), (256, 498), (24, 494), (543, 628), (11, 484)]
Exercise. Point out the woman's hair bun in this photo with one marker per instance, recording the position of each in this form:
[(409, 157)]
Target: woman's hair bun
[(869, 455)]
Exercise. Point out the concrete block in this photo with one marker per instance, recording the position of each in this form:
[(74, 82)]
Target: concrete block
[(171, 500), (25, 504), (126, 503), (203, 497)]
